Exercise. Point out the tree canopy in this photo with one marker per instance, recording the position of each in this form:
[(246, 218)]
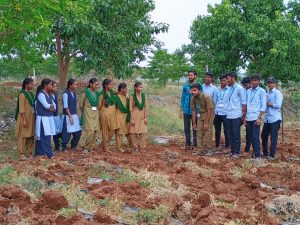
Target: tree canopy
[(260, 36)]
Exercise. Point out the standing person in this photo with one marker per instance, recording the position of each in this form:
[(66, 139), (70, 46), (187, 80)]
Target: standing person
[(123, 114), (108, 114), (246, 82), (88, 104), (202, 121), (272, 119), (25, 120), (186, 111), (256, 107), (208, 87), (138, 108), (236, 113), (45, 125), (56, 117), (71, 123), (221, 101)]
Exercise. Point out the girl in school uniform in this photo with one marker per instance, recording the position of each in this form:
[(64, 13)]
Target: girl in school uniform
[(138, 117), (108, 114), (71, 124), (88, 104), (56, 117), (123, 114), (45, 125), (25, 120)]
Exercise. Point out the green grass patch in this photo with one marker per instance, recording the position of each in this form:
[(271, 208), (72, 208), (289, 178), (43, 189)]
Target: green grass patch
[(152, 216), (67, 212), (8, 154), (31, 184), (6, 174)]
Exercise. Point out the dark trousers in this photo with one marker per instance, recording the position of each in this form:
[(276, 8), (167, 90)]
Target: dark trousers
[(248, 140), (254, 132), (43, 146), (234, 134), (187, 119), (56, 140), (218, 121), (272, 130), (65, 136)]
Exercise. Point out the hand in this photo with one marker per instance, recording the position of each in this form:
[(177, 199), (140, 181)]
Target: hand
[(269, 104), (205, 127), (195, 126), (71, 120), (132, 123), (181, 115), (25, 124), (258, 122), (145, 121)]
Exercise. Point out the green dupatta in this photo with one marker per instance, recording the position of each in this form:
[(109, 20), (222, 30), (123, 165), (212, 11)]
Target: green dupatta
[(111, 99), (30, 98), (93, 100), (123, 109), (139, 105)]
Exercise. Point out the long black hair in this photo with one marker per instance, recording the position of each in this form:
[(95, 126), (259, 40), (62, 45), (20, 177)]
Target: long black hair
[(92, 81), (106, 82), (26, 81), (70, 82), (122, 86), (44, 83)]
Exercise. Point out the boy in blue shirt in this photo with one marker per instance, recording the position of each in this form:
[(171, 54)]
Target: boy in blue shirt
[(256, 107), (272, 119), (186, 110), (236, 113)]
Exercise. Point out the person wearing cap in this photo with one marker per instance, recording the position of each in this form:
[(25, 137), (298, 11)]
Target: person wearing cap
[(272, 119), (203, 113), (236, 112), (256, 107), (246, 82), (221, 100)]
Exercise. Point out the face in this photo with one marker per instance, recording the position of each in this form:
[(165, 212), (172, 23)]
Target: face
[(255, 82), (195, 91), (191, 76), (48, 87), (30, 86), (109, 86), (247, 85), (271, 85), (207, 79), (74, 86), (139, 88), (223, 82), (95, 85), (124, 90), (54, 87), (230, 80)]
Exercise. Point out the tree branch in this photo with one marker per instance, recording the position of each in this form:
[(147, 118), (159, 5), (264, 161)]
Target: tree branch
[(75, 53)]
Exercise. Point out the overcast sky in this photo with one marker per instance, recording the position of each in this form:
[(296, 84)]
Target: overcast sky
[(179, 14)]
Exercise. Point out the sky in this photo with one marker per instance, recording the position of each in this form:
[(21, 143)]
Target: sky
[(179, 14)]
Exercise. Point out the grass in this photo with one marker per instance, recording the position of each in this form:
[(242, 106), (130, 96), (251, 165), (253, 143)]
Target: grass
[(207, 172), (217, 202), (152, 216), (78, 199), (31, 184), (67, 212), (6, 174)]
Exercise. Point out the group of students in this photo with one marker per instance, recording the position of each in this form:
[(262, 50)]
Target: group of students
[(206, 106), (113, 113)]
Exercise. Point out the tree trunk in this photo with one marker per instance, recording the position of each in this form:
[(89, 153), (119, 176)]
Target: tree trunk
[(63, 60)]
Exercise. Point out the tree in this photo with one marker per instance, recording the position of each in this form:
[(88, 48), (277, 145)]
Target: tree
[(258, 35), (165, 66)]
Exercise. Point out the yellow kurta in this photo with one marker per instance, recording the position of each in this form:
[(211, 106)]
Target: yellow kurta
[(108, 115), (124, 125), (25, 107), (90, 117), (138, 116)]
